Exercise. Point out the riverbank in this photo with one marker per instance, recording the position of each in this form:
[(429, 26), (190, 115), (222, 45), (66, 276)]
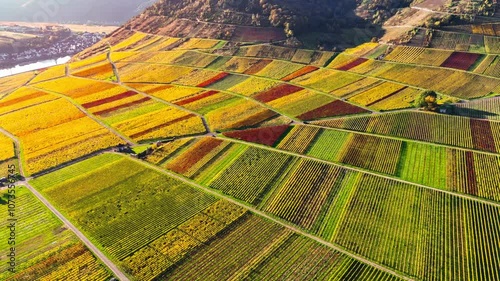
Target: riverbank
[(33, 66), (11, 64)]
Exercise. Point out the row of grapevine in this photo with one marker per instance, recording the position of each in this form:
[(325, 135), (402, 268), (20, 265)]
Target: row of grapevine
[(199, 43), (260, 250), (279, 69), (46, 250), (298, 139), (486, 64), (197, 155), (51, 73), (426, 164), (399, 100), (228, 82), (187, 58), (492, 44), (421, 163), (368, 151), (356, 87), (169, 93), (268, 51), (237, 114), (493, 69), (302, 196), (253, 85), (151, 73), (327, 80), (377, 93), (49, 131), (418, 55), (121, 230), (483, 109), (417, 231), (10, 83), (81, 64), (6, 148), (100, 71), (461, 60), (250, 177), (473, 173), (330, 201), (416, 126), (266, 136), (301, 103), (352, 64), (163, 153)]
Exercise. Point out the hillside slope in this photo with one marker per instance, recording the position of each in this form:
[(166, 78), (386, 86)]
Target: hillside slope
[(265, 19)]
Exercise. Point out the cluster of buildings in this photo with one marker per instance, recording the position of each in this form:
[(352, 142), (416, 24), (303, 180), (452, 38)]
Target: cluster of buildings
[(50, 43)]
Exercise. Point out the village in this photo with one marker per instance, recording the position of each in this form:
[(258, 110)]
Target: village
[(51, 42)]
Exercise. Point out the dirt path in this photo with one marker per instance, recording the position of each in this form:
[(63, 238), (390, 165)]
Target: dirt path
[(113, 65), (17, 145)]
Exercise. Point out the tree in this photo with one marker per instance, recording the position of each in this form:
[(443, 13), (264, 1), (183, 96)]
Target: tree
[(427, 100)]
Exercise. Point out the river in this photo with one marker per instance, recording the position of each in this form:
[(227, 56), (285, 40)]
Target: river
[(33, 66)]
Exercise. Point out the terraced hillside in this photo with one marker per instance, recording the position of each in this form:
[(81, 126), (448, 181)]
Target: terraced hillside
[(171, 159)]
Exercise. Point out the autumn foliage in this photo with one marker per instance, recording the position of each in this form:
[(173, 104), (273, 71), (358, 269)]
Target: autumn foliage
[(213, 80), (334, 108), (303, 71), (266, 136), (277, 92)]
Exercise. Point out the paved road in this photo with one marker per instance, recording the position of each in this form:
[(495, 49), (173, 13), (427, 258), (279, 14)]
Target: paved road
[(265, 215)]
